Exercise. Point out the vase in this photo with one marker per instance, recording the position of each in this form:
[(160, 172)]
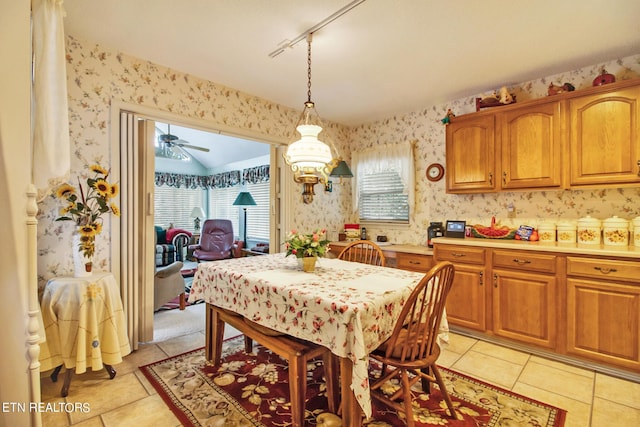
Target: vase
[(308, 263), (83, 249)]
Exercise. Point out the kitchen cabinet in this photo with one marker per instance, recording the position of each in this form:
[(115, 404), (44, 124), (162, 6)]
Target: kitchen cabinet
[(525, 297), (603, 310), (471, 154), (604, 133), (466, 303), (414, 262), (589, 137), (531, 141)]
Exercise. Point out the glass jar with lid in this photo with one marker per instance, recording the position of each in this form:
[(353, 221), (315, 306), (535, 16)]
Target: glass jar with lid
[(615, 231), (589, 230)]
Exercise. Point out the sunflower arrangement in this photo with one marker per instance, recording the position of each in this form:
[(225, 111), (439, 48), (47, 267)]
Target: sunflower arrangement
[(306, 245), (86, 206)]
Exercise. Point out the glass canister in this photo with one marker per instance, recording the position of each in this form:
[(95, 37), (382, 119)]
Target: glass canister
[(547, 231), (566, 232), (615, 231), (589, 230), (636, 232)]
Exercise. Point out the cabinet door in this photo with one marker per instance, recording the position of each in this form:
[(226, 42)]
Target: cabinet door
[(531, 143), (603, 322), (524, 307), (471, 155), (603, 132), (466, 305)]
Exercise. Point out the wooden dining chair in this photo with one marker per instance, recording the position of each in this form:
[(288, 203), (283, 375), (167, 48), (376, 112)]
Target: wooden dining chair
[(364, 251), (412, 347), (296, 351)]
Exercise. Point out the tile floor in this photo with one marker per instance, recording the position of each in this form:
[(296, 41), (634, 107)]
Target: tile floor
[(591, 399)]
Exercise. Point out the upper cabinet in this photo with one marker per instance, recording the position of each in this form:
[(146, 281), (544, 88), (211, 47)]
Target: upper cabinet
[(516, 148), (604, 135), (573, 140), (471, 159)]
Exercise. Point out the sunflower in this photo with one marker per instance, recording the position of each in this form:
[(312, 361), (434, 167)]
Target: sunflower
[(115, 189), (65, 191), (103, 188), (87, 230), (115, 209), (98, 170)]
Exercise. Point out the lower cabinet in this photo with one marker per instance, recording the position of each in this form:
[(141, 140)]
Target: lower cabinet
[(603, 308), (586, 307)]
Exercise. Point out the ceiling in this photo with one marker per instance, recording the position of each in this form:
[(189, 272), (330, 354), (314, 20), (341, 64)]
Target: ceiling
[(381, 58)]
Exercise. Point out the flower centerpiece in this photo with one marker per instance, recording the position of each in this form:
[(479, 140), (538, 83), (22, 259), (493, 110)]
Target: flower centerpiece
[(307, 247), (85, 207)]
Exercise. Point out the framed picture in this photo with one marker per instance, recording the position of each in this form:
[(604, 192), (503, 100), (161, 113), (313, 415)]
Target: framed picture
[(328, 187)]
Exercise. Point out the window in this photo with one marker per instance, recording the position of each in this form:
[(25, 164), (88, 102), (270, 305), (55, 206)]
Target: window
[(221, 205), (174, 205), (258, 216), (384, 183)]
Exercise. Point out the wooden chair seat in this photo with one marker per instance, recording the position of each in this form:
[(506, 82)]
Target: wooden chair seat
[(296, 351)]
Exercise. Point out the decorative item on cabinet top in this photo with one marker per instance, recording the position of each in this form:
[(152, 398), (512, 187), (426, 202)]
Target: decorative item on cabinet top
[(502, 97)]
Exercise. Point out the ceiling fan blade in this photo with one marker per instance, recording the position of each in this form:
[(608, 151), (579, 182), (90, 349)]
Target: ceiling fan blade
[(193, 147)]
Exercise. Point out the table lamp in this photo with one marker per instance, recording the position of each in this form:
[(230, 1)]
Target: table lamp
[(244, 199), (197, 213)]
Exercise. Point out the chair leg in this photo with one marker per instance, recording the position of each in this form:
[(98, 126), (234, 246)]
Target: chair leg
[(297, 389), (183, 301), (444, 391), (330, 366), (408, 409)]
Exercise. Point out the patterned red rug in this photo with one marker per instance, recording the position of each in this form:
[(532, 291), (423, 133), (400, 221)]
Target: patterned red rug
[(253, 391)]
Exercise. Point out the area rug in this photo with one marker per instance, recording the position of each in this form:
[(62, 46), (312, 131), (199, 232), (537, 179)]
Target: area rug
[(253, 390)]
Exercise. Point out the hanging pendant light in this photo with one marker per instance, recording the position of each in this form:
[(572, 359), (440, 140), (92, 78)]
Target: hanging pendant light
[(310, 159)]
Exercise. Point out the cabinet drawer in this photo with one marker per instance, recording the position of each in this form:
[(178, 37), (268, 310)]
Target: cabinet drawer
[(461, 254), (604, 269), (414, 262), (521, 260)]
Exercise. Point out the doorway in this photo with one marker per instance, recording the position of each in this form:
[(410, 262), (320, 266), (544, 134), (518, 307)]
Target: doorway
[(132, 240)]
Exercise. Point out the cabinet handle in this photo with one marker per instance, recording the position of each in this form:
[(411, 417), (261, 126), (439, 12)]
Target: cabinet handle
[(605, 270), (504, 177), (491, 178), (481, 278), (495, 280), (521, 261), (638, 167), (414, 262), (457, 255)]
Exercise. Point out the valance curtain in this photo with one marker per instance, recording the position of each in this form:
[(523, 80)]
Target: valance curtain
[(254, 175), (51, 146), (384, 158), (220, 180)]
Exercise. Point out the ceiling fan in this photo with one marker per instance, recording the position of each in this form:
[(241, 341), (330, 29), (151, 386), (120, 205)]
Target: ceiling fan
[(172, 141)]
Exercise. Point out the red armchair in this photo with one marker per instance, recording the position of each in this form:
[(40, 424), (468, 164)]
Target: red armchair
[(216, 241)]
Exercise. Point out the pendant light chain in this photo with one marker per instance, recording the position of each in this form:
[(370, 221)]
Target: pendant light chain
[(309, 67)]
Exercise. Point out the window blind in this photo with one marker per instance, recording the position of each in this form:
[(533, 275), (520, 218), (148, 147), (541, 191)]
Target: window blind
[(221, 206), (381, 197), (258, 216), (174, 205)]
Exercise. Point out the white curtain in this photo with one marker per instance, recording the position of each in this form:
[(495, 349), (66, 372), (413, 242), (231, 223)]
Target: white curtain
[(51, 147), (388, 157)]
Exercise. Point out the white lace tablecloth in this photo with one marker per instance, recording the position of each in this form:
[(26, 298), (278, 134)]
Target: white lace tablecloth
[(84, 323), (349, 307)]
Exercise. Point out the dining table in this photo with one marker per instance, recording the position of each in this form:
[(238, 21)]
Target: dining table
[(348, 307)]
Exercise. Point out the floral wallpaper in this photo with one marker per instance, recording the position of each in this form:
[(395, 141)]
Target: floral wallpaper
[(96, 76), (433, 204)]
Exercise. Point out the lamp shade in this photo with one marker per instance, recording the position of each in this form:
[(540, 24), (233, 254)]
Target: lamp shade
[(342, 170), (197, 212), (244, 199), (308, 151)]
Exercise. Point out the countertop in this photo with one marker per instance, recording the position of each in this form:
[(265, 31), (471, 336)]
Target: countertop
[(565, 248), (389, 248)]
